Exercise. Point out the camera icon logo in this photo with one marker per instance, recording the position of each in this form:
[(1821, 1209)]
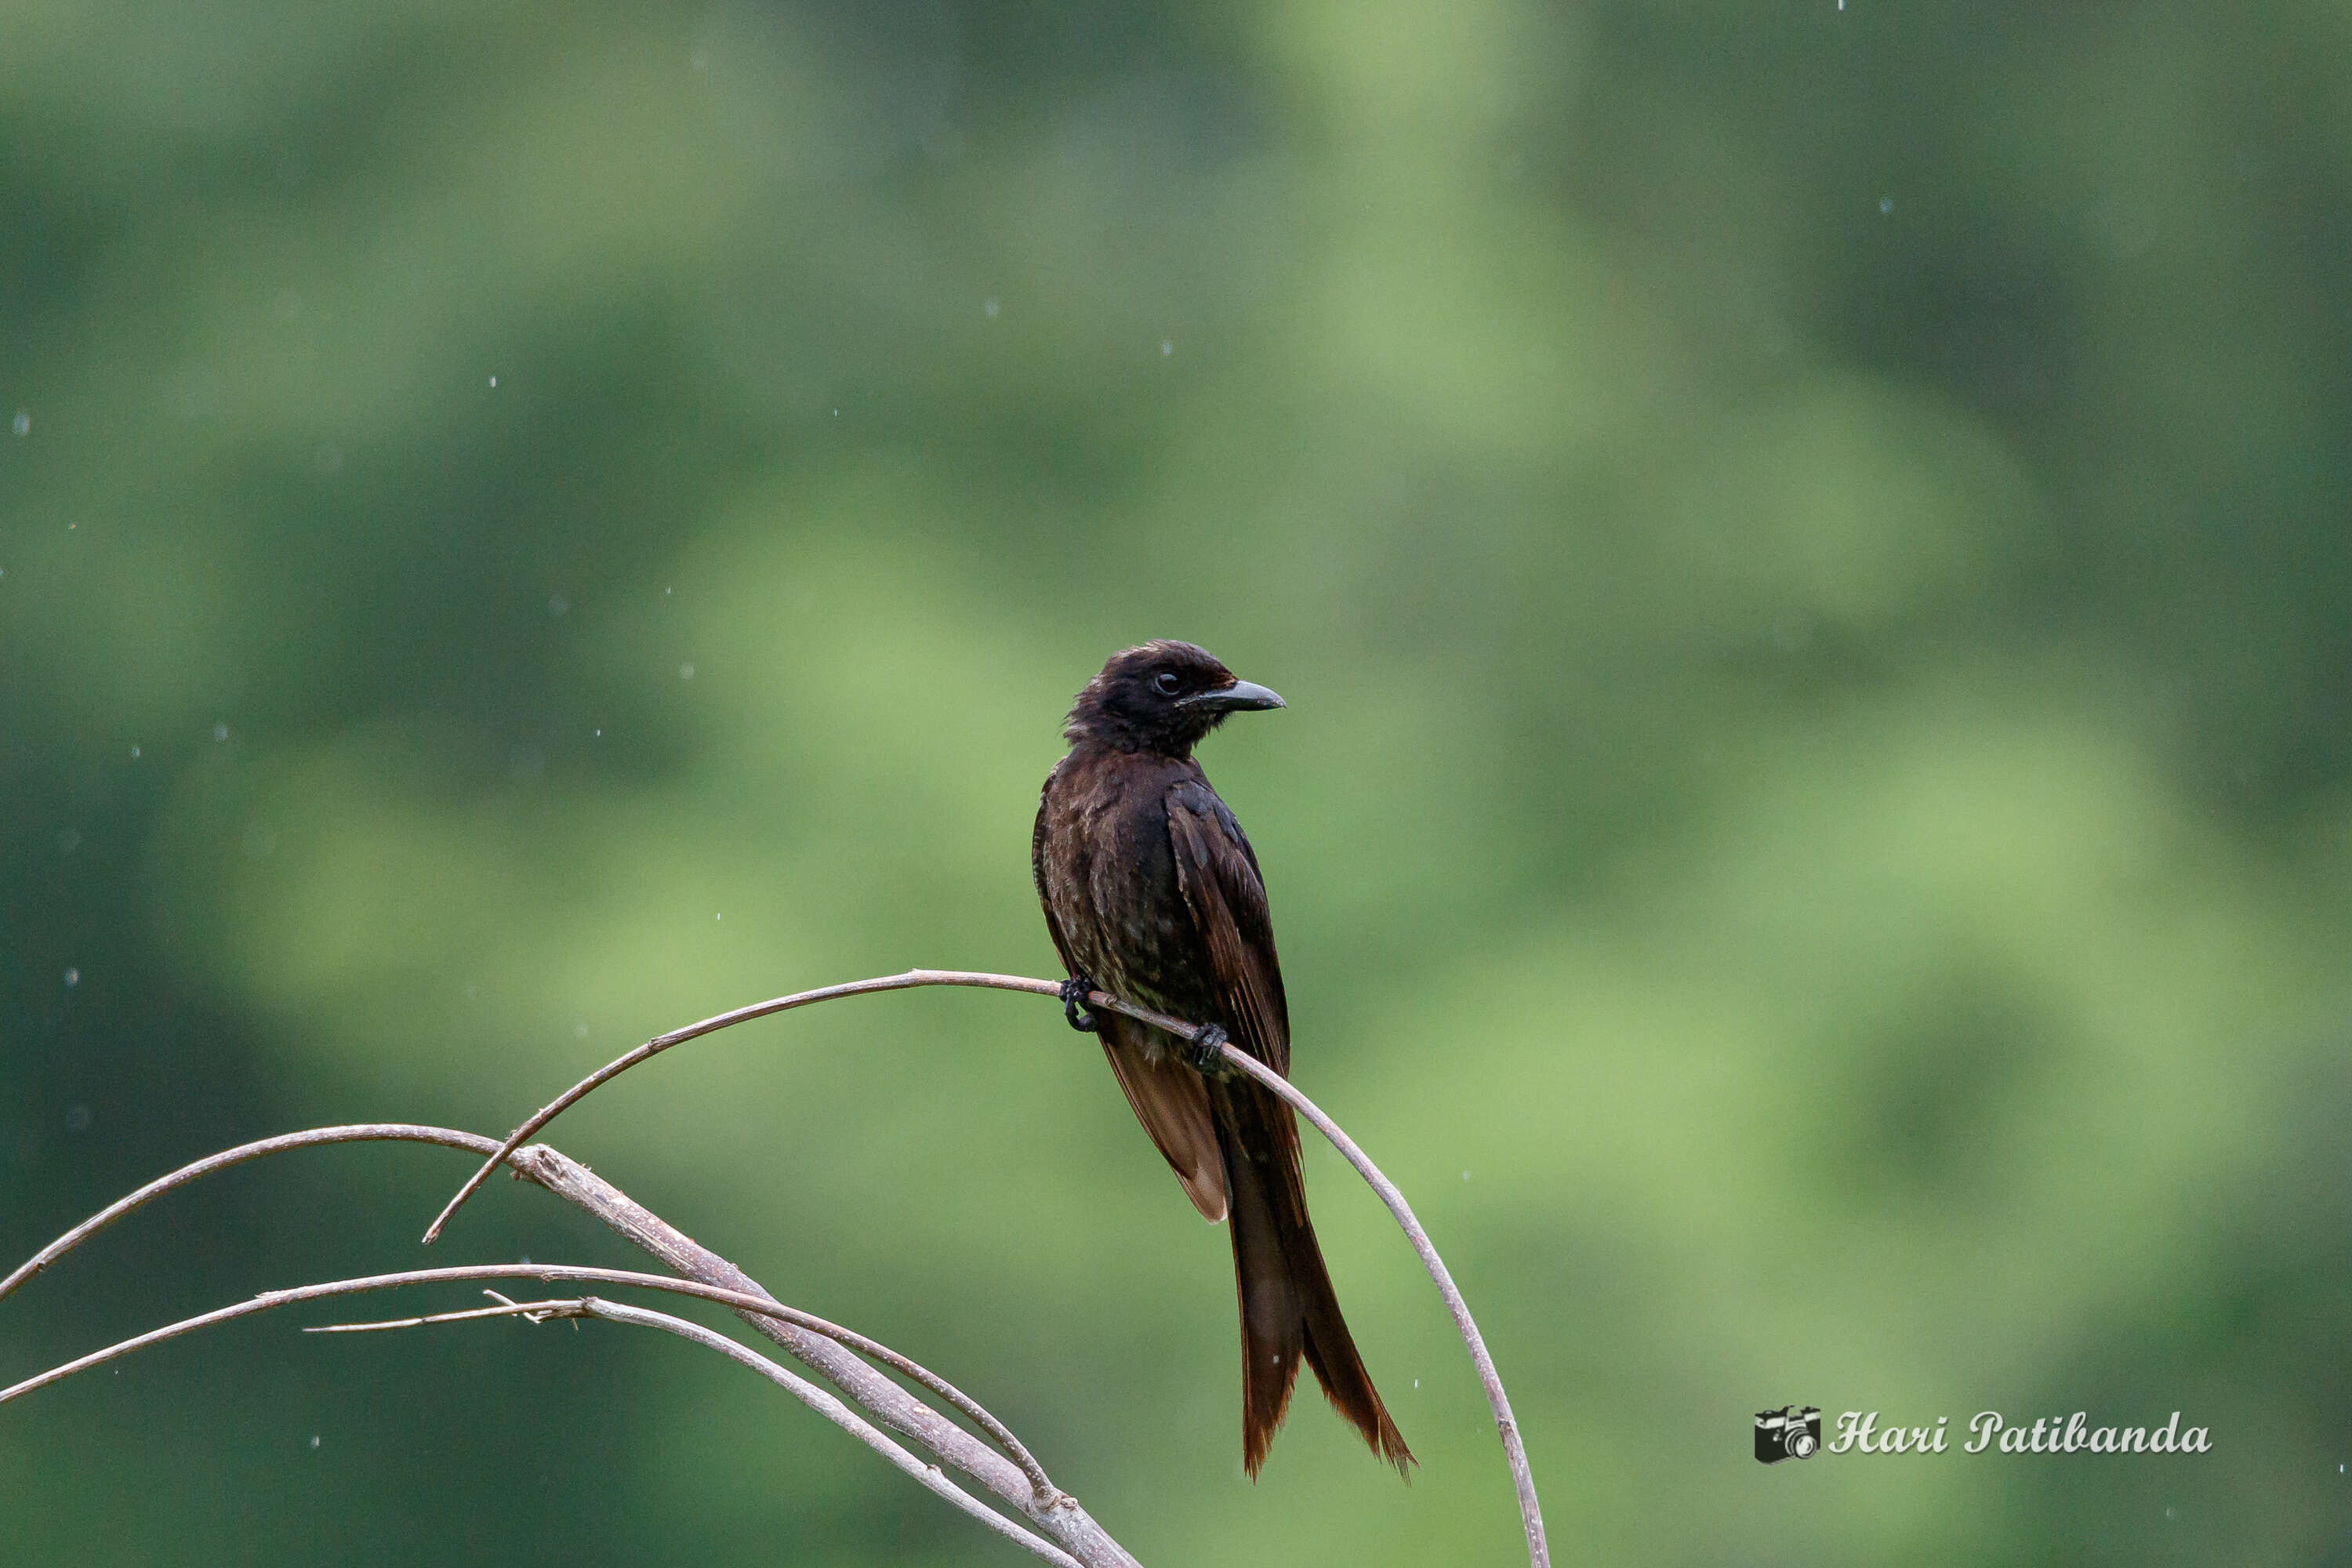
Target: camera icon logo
[(1788, 1433)]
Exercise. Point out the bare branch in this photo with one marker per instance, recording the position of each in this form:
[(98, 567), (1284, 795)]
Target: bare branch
[(568, 1178), (927, 1475), (840, 1415), (530, 1311), (365, 1132), (1513, 1447), (1020, 1483)]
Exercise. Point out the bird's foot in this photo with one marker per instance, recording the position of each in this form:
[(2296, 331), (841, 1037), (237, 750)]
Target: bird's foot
[(1073, 1004), (1206, 1052)]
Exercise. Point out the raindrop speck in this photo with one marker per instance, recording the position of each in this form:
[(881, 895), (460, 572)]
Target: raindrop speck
[(73, 978), (580, 1030), (494, 380), (24, 423), (1167, 346), (134, 753), (989, 308), (1886, 204), (77, 1118), (220, 732), (685, 672), (314, 1439), (557, 604)]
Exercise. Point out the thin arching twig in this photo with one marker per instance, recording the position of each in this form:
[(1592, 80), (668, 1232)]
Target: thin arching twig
[(365, 1132), (1514, 1451), (659, 1043), (808, 1394), (927, 1475), (530, 1311), (826, 1404)]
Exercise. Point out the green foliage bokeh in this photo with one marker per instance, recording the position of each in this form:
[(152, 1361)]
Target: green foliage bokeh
[(1807, 550)]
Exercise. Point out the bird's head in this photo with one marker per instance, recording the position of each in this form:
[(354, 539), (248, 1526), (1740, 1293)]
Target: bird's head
[(1161, 696)]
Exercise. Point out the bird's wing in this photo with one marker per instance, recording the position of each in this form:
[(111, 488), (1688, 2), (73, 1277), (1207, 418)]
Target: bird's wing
[(1218, 872), (1169, 1099)]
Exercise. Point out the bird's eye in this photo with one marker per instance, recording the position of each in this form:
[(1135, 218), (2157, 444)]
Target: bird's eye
[(1165, 683)]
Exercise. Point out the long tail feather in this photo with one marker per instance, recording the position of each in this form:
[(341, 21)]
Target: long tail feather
[(1288, 1310)]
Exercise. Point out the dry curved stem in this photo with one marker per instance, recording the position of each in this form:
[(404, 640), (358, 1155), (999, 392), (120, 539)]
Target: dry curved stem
[(823, 1404), (530, 1311), (761, 1306), (361, 1132), (929, 1477), (1514, 1451), (826, 1404), (1513, 1447), (659, 1043), (1019, 1483)]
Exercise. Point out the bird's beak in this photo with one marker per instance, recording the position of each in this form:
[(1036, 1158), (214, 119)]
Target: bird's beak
[(1239, 695)]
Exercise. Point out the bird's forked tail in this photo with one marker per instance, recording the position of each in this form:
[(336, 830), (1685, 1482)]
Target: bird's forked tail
[(1288, 1310)]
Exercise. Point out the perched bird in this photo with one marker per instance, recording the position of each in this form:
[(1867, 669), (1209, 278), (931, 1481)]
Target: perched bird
[(1153, 894)]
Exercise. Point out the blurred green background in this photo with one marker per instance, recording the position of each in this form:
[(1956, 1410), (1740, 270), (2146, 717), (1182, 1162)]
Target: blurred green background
[(1807, 551)]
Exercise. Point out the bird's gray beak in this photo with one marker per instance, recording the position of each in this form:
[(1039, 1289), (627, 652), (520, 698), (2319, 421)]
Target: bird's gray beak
[(1239, 695)]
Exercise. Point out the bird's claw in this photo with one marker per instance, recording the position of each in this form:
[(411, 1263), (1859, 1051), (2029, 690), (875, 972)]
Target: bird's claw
[(1073, 1004), (1206, 1052)]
